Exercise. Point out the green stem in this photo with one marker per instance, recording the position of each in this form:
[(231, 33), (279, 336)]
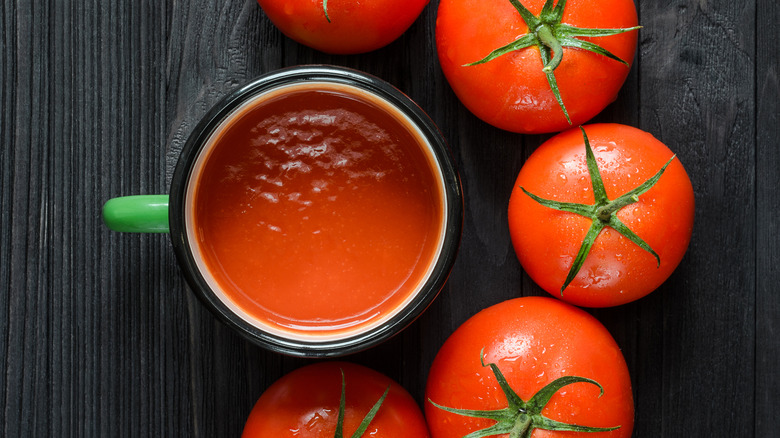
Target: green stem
[(522, 426), (605, 212), (545, 34), (325, 8)]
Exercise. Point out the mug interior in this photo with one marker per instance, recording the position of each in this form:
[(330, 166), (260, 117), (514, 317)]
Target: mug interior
[(311, 335), (315, 343)]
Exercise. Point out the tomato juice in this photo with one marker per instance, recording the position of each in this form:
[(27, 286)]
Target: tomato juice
[(316, 211)]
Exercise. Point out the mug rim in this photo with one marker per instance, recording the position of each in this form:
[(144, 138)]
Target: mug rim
[(453, 214)]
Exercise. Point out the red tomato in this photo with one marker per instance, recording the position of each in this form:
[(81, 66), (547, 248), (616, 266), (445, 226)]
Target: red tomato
[(532, 342), (511, 91), (305, 404), (616, 270), (343, 26)]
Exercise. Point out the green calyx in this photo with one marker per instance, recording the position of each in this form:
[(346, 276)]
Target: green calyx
[(520, 418), (550, 35), (325, 9), (343, 408), (603, 212)]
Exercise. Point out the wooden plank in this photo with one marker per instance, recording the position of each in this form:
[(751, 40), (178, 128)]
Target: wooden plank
[(83, 125), (8, 346), (767, 384), (25, 201), (696, 101)]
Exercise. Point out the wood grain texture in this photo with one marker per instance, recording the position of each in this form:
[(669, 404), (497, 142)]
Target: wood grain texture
[(100, 335), (767, 90), (697, 96)]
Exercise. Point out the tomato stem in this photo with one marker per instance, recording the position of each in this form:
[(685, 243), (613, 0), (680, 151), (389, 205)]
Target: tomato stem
[(604, 213), (522, 424), (325, 8), (545, 34)]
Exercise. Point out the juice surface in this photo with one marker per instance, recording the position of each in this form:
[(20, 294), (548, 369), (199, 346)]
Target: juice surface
[(318, 211)]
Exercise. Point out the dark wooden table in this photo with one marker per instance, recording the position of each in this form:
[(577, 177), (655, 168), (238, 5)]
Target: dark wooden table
[(100, 336)]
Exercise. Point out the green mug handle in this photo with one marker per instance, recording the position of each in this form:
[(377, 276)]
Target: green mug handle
[(137, 214)]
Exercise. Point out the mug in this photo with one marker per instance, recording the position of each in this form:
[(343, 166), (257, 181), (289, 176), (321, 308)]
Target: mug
[(317, 211)]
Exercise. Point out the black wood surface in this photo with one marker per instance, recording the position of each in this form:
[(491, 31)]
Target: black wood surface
[(100, 336)]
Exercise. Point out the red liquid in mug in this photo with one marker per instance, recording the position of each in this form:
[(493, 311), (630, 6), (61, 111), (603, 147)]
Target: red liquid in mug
[(318, 212)]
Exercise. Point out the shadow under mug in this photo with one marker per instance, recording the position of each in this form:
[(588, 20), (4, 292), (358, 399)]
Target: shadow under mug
[(173, 213)]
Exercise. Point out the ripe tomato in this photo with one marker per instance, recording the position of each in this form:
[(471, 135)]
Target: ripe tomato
[(305, 404), (343, 26), (530, 343), (511, 91), (617, 269)]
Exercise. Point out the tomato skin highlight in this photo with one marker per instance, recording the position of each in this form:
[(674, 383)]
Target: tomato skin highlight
[(354, 27), (511, 92), (533, 340), (305, 404), (616, 271)]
